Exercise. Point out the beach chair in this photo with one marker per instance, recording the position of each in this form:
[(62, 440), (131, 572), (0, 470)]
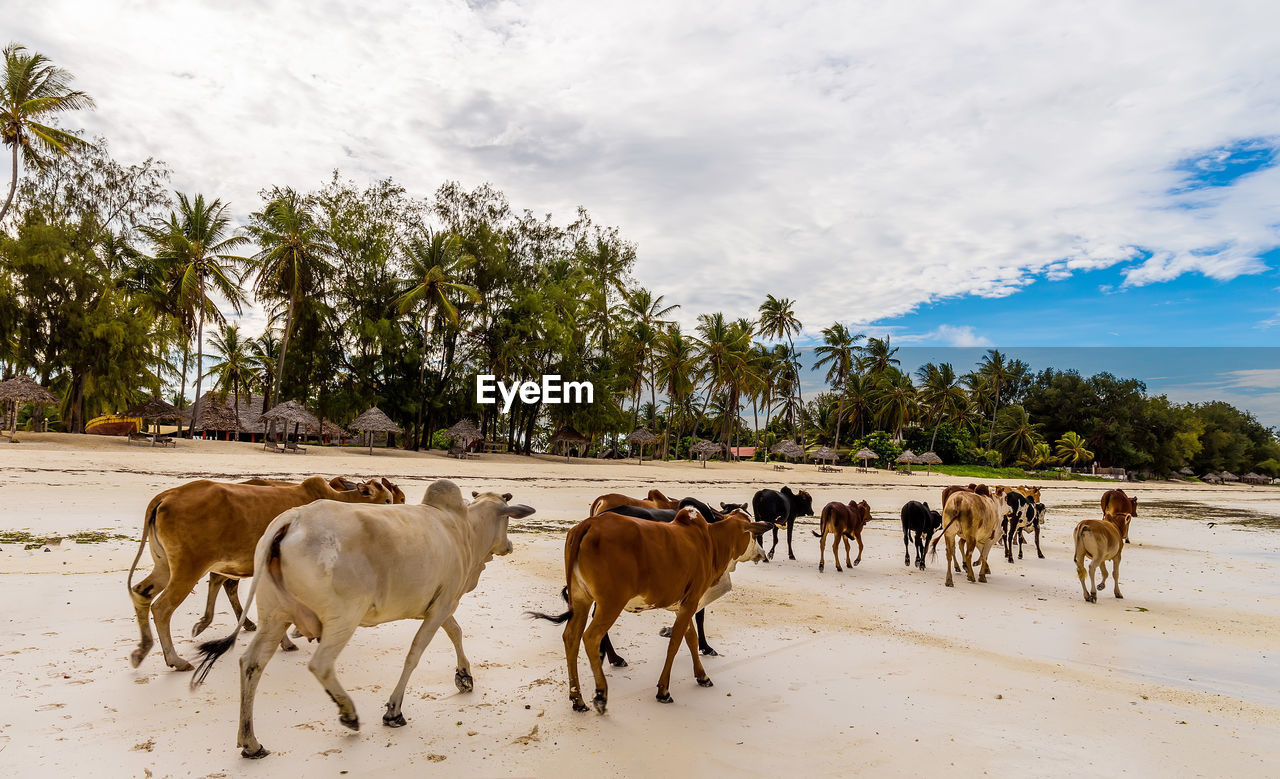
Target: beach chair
[(292, 446), (166, 440)]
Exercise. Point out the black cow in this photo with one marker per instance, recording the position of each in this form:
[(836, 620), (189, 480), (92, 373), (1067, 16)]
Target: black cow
[(779, 507), (923, 521), (665, 515)]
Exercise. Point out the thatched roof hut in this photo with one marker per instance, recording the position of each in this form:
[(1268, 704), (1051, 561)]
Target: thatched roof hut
[(1228, 476), (291, 412), (154, 409), (824, 454), (21, 389), (1255, 478), (704, 449), (787, 448), (374, 421), (1186, 471), (929, 459), (865, 454), (212, 414), (643, 437), (566, 436), (464, 433)]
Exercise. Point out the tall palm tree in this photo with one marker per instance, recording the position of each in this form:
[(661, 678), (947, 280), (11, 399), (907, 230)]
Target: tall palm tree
[(941, 394), (32, 89), (293, 258), (725, 350), (1018, 435), (778, 320), (878, 356), (265, 350), (235, 369), (839, 352), (894, 400), (436, 266), (194, 246), (858, 400), (648, 315), (995, 370)]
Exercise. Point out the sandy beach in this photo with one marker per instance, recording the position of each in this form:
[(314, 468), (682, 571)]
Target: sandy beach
[(878, 669)]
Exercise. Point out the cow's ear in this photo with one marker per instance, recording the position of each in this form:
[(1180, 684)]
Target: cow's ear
[(475, 494), (506, 497), (364, 489), (517, 510), (786, 490), (760, 528)]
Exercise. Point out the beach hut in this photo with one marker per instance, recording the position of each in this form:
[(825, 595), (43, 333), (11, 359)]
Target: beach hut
[(374, 421), (1255, 478), (19, 390), (566, 436), (291, 412), (1228, 476), (209, 413), (463, 434), (704, 449), (824, 455), (787, 448), (929, 459), (642, 437), (154, 410), (1186, 471), (864, 455)]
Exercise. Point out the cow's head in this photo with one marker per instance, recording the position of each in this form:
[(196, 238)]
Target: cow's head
[(744, 548), (727, 507), (500, 508), (865, 508), (935, 520), (803, 503), (373, 491), (342, 484), (1133, 506), (396, 492)]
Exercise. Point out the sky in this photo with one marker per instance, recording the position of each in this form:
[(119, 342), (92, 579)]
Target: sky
[(950, 174)]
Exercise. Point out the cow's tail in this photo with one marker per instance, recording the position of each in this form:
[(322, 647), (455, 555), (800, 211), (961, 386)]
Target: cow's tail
[(1077, 537), (572, 544), (266, 561), (148, 524), (933, 548), (822, 524)]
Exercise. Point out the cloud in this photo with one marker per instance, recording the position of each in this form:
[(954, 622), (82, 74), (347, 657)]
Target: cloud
[(1257, 378), (861, 158), (946, 335)]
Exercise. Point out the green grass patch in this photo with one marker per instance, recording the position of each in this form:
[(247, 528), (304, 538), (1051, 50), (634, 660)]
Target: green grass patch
[(987, 472)]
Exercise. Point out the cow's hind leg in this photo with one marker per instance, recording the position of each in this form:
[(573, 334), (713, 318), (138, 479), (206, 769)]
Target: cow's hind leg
[(232, 588), (775, 542), (462, 673), (252, 663), (822, 551), (791, 523), (215, 583), (333, 638), (1038, 552), (906, 546), (572, 640), (607, 650), (142, 594), (393, 716), (181, 583), (1080, 572), (1115, 576), (604, 618), (951, 558), (856, 537)]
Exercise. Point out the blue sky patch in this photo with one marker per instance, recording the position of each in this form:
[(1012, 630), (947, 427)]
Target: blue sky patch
[(1225, 165)]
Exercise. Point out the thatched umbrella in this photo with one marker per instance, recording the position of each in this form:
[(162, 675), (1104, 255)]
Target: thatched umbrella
[(567, 436), (1187, 472), (864, 455), (1254, 478), (291, 411), (154, 410), (642, 437), (464, 432), (929, 459), (20, 390), (704, 449), (374, 421), (1228, 476), (787, 448), (824, 454)]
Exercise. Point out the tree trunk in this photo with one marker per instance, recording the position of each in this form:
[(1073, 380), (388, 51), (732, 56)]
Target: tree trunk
[(13, 184), (182, 393), (284, 345), (991, 435), (195, 409)]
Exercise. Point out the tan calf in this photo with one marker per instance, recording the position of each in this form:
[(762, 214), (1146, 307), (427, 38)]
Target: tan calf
[(1100, 541)]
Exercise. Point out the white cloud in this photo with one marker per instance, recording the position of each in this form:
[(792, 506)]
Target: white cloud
[(946, 335), (1256, 378), (863, 158)]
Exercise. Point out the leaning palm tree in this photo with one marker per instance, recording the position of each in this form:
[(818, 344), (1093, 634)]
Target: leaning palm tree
[(1073, 448), (32, 89), (235, 369), (878, 356), (265, 351), (725, 349), (194, 246), (1018, 436), (941, 394), (839, 352), (436, 266), (995, 370), (894, 399), (778, 320), (293, 258), (648, 314)]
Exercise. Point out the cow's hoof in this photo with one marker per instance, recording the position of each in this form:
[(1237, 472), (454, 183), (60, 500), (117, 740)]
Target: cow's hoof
[(950, 583), (464, 681), (855, 562), (982, 579), (136, 656), (198, 628), (708, 651), (618, 663), (352, 722), (261, 753), (297, 633), (1119, 596), (665, 632), (665, 697), (288, 647), (181, 665), (600, 701), (771, 555), (790, 556), (580, 706), (250, 626), (397, 721), (839, 569), (1039, 555), (705, 682), (821, 568)]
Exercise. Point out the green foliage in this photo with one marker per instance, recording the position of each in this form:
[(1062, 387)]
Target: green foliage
[(880, 442)]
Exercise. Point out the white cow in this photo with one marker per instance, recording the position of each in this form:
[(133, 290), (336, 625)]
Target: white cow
[(331, 567)]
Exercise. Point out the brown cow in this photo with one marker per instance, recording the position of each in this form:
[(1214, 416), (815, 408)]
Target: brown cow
[(842, 520), (1099, 540), (1116, 502), (980, 489), (1028, 492), (616, 562), (655, 500), (232, 585), (971, 520), (205, 526)]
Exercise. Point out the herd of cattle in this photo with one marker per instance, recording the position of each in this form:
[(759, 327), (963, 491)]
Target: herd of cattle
[(330, 556)]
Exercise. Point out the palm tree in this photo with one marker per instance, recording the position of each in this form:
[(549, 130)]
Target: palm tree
[(878, 356), (778, 320), (1039, 457), (858, 400), (436, 265), (1018, 436), (34, 88), (724, 348), (648, 315), (940, 392), (1073, 448), (265, 351), (292, 260), (839, 351), (235, 369), (996, 372), (895, 400), (194, 246)]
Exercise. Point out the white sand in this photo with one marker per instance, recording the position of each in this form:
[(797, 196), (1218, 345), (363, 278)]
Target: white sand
[(879, 669)]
